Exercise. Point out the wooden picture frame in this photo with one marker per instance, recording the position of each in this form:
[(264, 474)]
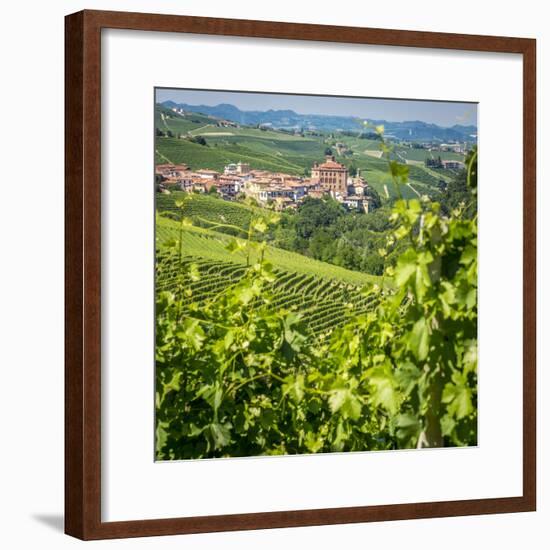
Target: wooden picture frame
[(83, 274)]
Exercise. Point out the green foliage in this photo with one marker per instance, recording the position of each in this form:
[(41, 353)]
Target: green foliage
[(325, 303), (239, 374), (459, 191), (315, 213), (321, 229), (198, 139), (255, 359)]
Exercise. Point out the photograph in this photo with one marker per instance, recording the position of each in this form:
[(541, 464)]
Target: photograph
[(315, 274), (287, 272)]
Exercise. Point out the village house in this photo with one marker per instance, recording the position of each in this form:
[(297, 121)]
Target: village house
[(171, 175), (357, 189), (201, 184), (207, 174), (229, 186), (452, 165), (171, 170), (285, 189), (185, 183), (239, 168), (299, 189), (360, 203), (453, 147), (316, 193), (227, 124), (357, 185), (243, 168), (276, 192), (285, 203)]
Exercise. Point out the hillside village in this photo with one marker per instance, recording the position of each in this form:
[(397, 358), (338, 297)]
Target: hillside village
[(279, 167), (279, 190)]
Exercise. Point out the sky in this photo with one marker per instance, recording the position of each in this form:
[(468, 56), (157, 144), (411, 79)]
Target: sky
[(442, 113)]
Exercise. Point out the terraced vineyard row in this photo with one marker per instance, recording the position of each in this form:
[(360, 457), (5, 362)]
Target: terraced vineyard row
[(205, 210), (325, 303), (199, 156), (204, 243), (167, 120)]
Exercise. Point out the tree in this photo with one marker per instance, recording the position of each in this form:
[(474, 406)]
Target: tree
[(376, 201), (322, 245), (373, 263), (328, 151), (458, 192), (200, 140), (314, 213)]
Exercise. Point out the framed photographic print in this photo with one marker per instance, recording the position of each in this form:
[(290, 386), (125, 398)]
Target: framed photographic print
[(288, 252)]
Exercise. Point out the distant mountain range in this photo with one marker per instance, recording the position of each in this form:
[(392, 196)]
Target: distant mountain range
[(414, 130)]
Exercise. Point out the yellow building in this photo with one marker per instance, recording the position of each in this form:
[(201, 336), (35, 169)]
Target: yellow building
[(331, 176)]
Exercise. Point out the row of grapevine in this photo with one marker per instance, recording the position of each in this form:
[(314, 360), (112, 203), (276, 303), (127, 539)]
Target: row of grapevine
[(205, 210), (211, 245), (325, 304)]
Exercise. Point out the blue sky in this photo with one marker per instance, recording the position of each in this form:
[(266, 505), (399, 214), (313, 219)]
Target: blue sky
[(443, 113)]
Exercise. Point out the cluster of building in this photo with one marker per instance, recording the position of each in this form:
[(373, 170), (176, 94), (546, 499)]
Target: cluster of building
[(277, 189), (445, 164), (451, 147)]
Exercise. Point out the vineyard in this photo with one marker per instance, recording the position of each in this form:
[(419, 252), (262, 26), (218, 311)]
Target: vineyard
[(204, 210), (264, 351), (325, 294), (203, 243), (325, 303), (166, 120), (218, 153), (280, 152), (255, 360)]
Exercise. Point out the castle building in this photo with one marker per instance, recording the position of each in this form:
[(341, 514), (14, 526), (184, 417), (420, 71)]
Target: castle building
[(331, 176)]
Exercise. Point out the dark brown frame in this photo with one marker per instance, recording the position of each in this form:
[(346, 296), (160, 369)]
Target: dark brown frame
[(83, 274)]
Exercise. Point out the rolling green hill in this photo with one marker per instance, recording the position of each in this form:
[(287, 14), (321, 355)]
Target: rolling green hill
[(325, 294), (215, 157), (280, 151), (205, 210), (167, 120), (205, 243), (324, 303)]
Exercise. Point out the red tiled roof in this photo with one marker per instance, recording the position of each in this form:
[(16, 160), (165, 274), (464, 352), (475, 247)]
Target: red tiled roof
[(331, 165)]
